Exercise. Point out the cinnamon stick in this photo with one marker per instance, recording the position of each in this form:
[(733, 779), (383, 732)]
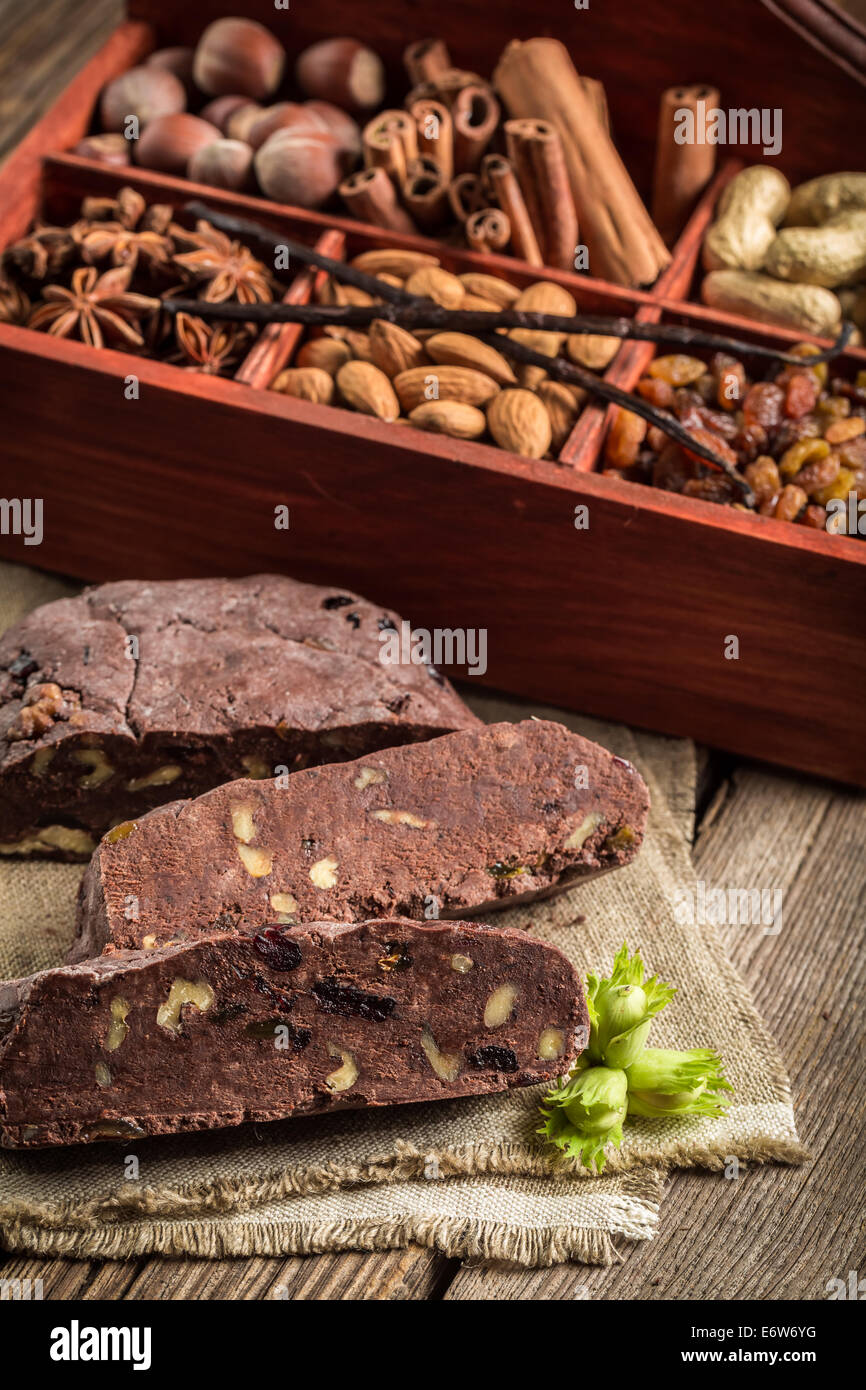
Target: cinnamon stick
[(435, 133), (537, 78), (499, 173), (537, 152), (370, 196), (598, 96), (475, 113), (389, 142), (682, 171), (425, 59), (425, 194), (462, 195), (488, 230)]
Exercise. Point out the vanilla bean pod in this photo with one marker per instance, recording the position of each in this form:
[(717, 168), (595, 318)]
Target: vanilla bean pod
[(677, 335)]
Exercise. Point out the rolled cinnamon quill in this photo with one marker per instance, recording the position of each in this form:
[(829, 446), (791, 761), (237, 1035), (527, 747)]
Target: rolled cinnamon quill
[(498, 173), (425, 194), (536, 151), (435, 133), (488, 230), (463, 195), (537, 78), (425, 59), (598, 96), (475, 113), (389, 142), (370, 196), (682, 170)]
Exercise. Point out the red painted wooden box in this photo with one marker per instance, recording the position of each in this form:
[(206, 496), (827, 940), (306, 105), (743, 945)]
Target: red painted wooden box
[(628, 618)]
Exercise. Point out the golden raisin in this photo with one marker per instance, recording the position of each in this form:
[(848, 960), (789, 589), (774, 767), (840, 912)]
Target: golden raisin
[(809, 350), (818, 474), (677, 369), (763, 478), (842, 430), (624, 438), (792, 500), (803, 452), (839, 488)]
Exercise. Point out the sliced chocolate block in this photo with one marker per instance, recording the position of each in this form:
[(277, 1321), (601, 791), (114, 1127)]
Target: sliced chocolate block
[(450, 828), (287, 1021), (133, 694)]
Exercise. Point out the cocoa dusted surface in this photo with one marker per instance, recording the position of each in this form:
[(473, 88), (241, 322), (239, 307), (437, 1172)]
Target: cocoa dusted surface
[(460, 825), (392, 1011), (192, 683)]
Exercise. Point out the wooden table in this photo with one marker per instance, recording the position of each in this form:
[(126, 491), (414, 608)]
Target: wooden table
[(775, 1233)]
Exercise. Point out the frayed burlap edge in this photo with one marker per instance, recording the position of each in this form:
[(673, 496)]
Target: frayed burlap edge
[(635, 1211), (225, 1195)]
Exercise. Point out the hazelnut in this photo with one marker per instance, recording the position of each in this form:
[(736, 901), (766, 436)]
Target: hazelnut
[(221, 109), (283, 903), (324, 873), (243, 825), (103, 1075), (344, 72), (299, 166), (238, 55), (169, 142), (286, 115), (238, 124), (341, 124), (177, 60), (551, 1044), (146, 93), (196, 992), (222, 164), (462, 964), (583, 831), (257, 862), (499, 1006), (402, 818), (369, 777), (112, 149), (160, 777), (346, 1075), (445, 1064)]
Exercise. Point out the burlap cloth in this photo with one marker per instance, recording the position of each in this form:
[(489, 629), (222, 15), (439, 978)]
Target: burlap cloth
[(467, 1177)]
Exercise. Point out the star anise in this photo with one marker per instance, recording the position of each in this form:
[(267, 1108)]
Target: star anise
[(130, 210), (14, 304), (208, 347), (42, 253), (125, 229), (96, 307), (223, 269)]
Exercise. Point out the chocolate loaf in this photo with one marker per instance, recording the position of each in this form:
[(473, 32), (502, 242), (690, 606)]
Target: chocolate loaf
[(451, 828), (287, 1021), (132, 694)]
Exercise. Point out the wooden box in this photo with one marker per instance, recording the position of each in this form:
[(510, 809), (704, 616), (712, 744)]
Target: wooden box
[(627, 618)]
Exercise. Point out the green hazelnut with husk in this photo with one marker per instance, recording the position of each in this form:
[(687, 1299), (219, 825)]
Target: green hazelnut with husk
[(663, 1082), (621, 1010), (619, 1075)]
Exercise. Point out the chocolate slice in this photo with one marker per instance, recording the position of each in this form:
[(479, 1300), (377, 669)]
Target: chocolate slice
[(286, 1021), (133, 694), (450, 828)]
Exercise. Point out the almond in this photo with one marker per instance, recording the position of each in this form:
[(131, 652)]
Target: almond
[(437, 284), (546, 298), (479, 305), (530, 377), (539, 340), (333, 292), (456, 418), (308, 383), (500, 291), (562, 409), (327, 353), (433, 383), (394, 349), (462, 350), (358, 343), (367, 389), (520, 423), (393, 261), (593, 350)]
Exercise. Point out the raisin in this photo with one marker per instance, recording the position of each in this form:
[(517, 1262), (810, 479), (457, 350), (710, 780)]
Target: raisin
[(853, 452), (750, 441), (814, 517), (763, 405), (354, 619), (834, 407), (624, 438), (718, 422), (386, 625), (792, 500), (677, 369), (277, 949), (841, 431), (730, 382), (656, 439), (493, 1059), (398, 703), (801, 395), (672, 468), (712, 441), (838, 489), (817, 474), (337, 601), (710, 489), (23, 666), (763, 478), (808, 427), (348, 1000), (657, 392), (803, 452)]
